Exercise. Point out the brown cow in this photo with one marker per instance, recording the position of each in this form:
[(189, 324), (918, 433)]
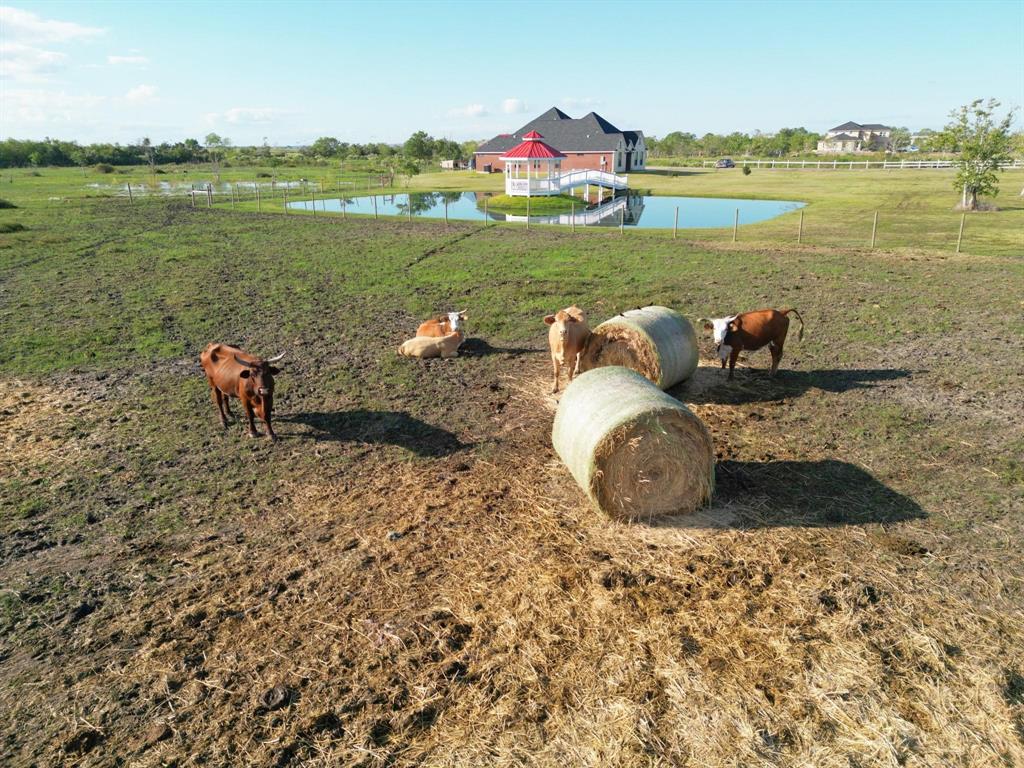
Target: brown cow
[(567, 338), (750, 331), (232, 372), (432, 346), (443, 325)]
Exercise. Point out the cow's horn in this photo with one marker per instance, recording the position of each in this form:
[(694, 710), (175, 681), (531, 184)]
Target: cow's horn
[(275, 358), (240, 361)]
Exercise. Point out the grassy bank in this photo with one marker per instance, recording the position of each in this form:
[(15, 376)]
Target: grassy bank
[(538, 205)]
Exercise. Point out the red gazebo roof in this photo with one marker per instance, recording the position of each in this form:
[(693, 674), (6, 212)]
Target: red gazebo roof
[(533, 147)]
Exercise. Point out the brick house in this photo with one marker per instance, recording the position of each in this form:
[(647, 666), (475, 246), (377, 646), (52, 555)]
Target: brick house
[(853, 137), (587, 142)]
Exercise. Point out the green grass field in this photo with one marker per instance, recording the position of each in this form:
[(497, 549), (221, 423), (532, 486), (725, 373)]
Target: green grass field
[(413, 566)]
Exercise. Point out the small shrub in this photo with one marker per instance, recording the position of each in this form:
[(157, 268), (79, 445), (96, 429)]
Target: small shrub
[(6, 204), (263, 175), (12, 226), (159, 170), (35, 173), (746, 170), (104, 168)]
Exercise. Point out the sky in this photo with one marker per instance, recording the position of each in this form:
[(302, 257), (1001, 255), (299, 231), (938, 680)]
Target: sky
[(288, 72)]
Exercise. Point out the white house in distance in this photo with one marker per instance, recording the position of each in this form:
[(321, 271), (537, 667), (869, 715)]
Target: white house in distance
[(854, 137)]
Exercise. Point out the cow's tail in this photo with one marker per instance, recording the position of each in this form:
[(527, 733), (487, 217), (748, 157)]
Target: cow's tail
[(800, 337)]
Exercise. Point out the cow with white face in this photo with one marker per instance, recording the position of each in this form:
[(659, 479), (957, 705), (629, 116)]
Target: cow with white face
[(443, 325), (750, 331)]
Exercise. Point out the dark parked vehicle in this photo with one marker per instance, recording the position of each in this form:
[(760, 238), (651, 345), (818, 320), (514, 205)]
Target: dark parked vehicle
[(725, 162)]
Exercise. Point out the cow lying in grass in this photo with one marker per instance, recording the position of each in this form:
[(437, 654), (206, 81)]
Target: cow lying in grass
[(231, 372), (432, 346), (567, 338), (750, 331), (443, 325)]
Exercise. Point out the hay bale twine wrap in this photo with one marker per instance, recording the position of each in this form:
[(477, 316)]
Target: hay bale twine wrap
[(636, 452), (656, 342)]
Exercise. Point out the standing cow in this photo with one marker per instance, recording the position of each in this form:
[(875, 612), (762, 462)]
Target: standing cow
[(231, 372), (567, 338), (750, 331)]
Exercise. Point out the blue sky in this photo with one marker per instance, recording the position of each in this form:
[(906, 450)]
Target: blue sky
[(116, 71)]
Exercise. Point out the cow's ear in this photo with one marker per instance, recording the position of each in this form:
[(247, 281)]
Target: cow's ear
[(244, 373), (736, 324), (549, 319), (708, 326)]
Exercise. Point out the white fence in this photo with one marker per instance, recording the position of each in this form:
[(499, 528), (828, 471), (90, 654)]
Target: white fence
[(853, 165)]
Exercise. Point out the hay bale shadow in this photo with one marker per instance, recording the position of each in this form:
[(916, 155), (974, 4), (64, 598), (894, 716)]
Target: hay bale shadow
[(815, 494), (710, 384), (390, 427)]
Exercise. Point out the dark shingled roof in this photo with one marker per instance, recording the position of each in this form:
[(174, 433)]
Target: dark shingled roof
[(841, 137), (852, 126), (590, 133)]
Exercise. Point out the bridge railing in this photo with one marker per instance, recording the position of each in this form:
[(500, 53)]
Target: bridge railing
[(590, 175)]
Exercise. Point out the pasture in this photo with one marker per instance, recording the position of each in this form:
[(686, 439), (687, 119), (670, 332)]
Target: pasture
[(411, 577)]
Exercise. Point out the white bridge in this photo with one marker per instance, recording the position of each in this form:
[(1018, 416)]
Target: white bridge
[(554, 185)]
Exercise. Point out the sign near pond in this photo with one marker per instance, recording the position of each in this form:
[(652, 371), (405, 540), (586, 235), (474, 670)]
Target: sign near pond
[(633, 210)]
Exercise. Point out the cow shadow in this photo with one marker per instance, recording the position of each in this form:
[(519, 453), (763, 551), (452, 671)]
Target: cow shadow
[(711, 384), (381, 427), (474, 347), (816, 494)]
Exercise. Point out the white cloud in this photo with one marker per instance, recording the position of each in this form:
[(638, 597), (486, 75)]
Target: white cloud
[(20, 62), (36, 106), (141, 94), (25, 26), (470, 110), (513, 106), (137, 60), (245, 115)]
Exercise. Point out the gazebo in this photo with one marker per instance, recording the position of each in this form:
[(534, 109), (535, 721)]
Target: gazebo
[(532, 168)]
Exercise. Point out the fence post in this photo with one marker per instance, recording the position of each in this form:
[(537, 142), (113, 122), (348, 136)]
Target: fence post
[(343, 213), (572, 218), (374, 203), (527, 210), (960, 237), (192, 194), (485, 211), (800, 230), (736, 225), (446, 212), (622, 218), (209, 196), (874, 228), (131, 200), (321, 186), (285, 188), (675, 225), (231, 192), (259, 205), (313, 193)]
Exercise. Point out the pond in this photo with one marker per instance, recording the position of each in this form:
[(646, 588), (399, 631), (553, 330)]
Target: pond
[(633, 210)]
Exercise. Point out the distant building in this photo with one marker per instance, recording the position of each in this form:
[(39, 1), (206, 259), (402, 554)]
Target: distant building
[(854, 137), (587, 142), (453, 165)]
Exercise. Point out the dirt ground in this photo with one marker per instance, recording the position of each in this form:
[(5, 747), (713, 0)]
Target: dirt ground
[(411, 577), (471, 609)]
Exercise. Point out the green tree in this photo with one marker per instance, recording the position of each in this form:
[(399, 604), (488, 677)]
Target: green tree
[(983, 145), (325, 147), (419, 146), (215, 148), (899, 139), (408, 168)]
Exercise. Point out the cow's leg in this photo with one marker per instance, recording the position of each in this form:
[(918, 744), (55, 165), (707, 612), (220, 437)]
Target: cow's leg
[(574, 371), (249, 413), (554, 365), (265, 415), (226, 399), (776, 349), (733, 356), (220, 408)]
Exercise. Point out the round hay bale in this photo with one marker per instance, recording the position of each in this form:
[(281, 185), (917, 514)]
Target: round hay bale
[(636, 452), (656, 342)]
